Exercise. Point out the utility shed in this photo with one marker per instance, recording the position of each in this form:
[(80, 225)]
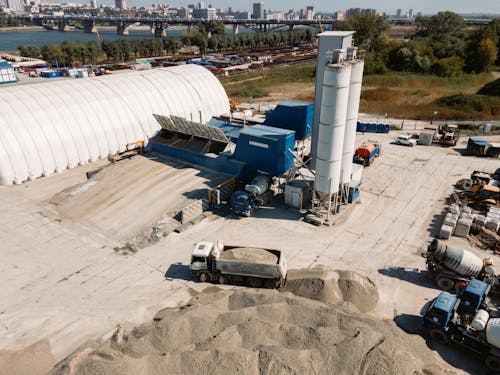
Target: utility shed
[(49, 127), (7, 74), (426, 137)]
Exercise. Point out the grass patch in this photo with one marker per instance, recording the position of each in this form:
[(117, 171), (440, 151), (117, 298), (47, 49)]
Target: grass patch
[(466, 83), (400, 95), (418, 96), (476, 104), (252, 91), (269, 80)]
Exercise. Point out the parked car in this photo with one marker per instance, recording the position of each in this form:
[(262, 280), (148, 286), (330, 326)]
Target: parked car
[(406, 139)]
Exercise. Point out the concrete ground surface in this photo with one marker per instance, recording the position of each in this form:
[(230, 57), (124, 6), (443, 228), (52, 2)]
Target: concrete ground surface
[(63, 284)]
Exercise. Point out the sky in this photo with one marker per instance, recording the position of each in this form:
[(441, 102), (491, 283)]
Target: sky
[(389, 6)]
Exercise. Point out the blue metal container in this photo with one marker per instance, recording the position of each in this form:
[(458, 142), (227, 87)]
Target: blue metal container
[(359, 127), (292, 115), (266, 149), (50, 73)]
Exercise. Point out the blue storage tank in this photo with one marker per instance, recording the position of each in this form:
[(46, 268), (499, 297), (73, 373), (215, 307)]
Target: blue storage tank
[(266, 149), (292, 115)]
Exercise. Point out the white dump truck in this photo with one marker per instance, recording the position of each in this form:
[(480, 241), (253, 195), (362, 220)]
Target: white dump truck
[(453, 268), (255, 267)]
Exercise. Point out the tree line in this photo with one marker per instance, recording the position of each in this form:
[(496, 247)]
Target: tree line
[(123, 50), (441, 46), (217, 40)]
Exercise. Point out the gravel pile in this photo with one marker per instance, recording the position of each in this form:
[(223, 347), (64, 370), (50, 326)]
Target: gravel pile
[(259, 331)]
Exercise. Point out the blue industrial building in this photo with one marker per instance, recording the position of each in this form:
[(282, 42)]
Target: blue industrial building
[(293, 115), (266, 149), (7, 74)]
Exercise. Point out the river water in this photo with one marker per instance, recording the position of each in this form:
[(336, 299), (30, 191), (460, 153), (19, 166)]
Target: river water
[(10, 40)]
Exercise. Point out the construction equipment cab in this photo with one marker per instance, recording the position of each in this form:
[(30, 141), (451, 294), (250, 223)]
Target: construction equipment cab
[(474, 297), (438, 316)]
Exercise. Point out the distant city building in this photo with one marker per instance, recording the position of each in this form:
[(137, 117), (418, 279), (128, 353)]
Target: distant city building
[(183, 12), (15, 6), (410, 13), (309, 12), (352, 11), (201, 5), (398, 13), (258, 11), (339, 15), (245, 15), (93, 4), (204, 14), (274, 15), (120, 4)]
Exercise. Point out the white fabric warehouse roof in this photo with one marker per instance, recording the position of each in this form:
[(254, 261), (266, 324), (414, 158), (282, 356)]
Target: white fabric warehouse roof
[(48, 127)]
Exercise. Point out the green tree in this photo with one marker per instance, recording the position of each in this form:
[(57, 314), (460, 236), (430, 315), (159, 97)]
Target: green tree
[(52, 54), (368, 28), (409, 57), (441, 23), (480, 56), (29, 51), (448, 67), (215, 27)]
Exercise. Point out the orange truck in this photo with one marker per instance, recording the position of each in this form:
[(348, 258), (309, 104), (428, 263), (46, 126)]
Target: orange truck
[(367, 152)]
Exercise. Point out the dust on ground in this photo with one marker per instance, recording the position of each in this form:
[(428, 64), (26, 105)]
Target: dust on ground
[(36, 359), (255, 331), (143, 189)]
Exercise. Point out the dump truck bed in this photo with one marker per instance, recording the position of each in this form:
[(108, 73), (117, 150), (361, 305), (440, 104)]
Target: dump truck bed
[(253, 262)]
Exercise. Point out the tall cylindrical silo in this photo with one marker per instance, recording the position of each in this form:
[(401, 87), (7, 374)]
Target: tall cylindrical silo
[(351, 120), (333, 112)]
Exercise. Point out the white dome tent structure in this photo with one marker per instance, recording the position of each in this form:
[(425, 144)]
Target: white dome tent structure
[(48, 127)]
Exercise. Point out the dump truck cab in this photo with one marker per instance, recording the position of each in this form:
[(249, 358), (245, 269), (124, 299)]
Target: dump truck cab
[(473, 297), (441, 312), (200, 257)]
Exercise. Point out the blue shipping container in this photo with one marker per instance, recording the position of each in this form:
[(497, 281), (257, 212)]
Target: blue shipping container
[(292, 115)]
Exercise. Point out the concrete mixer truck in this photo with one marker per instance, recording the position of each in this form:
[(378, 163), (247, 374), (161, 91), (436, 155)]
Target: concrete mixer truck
[(257, 193), (453, 268), (478, 333)]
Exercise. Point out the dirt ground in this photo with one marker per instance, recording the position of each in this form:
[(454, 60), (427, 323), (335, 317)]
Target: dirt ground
[(64, 285), (144, 189)]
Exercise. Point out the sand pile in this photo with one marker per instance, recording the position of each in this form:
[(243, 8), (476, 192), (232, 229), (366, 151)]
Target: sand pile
[(258, 331), (250, 254), (353, 291)]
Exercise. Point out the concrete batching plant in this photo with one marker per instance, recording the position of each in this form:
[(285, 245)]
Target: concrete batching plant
[(334, 125)]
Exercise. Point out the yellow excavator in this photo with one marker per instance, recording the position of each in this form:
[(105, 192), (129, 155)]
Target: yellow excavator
[(480, 196)]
